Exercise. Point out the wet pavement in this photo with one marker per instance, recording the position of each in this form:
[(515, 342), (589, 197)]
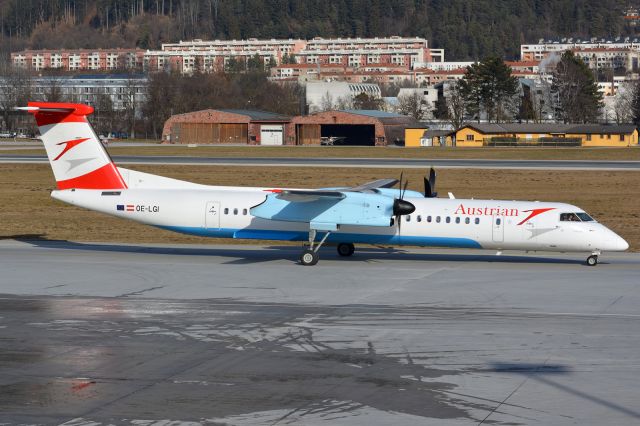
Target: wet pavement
[(108, 334)]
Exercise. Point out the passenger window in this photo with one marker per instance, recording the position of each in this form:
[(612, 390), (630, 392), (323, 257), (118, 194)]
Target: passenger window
[(467, 220), (498, 221), (408, 218), (448, 219), (429, 219), (419, 218), (235, 211), (226, 210), (438, 219), (457, 220), (477, 220), (244, 212)]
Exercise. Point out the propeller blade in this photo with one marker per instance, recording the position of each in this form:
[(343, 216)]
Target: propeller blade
[(404, 189), (430, 185)]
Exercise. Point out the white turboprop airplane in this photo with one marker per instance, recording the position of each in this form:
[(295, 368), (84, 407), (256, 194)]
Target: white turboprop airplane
[(372, 213)]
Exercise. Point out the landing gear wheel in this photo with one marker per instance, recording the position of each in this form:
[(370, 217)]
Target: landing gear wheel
[(592, 260), (346, 249), (309, 258)]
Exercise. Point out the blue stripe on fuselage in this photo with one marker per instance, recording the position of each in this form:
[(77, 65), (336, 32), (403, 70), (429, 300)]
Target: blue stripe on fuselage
[(265, 234)]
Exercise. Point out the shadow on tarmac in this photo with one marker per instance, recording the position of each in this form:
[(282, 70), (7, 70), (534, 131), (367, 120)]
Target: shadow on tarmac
[(542, 372), (251, 255)]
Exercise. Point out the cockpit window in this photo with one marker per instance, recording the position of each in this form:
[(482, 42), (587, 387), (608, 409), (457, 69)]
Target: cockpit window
[(569, 217), (585, 217), (575, 217)]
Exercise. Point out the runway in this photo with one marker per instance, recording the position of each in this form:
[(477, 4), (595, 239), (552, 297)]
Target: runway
[(405, 163), (97, 334)]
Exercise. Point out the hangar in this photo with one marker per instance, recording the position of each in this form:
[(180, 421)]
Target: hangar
[(228, 126), (352, 127)]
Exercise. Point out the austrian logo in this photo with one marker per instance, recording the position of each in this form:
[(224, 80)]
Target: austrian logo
[(68, 145), (497, 211)]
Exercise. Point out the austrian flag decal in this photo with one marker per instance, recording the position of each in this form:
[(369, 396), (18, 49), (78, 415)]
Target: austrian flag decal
[(125, 207)]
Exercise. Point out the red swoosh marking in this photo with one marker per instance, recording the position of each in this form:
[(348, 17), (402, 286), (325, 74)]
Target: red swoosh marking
[(534, 213), (68, 145)]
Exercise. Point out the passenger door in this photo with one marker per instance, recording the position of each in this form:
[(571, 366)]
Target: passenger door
[(498, 229), (212, 215)]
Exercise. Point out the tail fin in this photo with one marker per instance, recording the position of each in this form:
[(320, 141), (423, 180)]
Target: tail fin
[(77, 157)]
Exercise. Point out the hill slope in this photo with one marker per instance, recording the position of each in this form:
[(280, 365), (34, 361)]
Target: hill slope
[(467, 29)]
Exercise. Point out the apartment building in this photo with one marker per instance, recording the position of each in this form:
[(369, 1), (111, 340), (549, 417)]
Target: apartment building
[(124, 91), (597, 53), (79, 59), (360, 52), (215, 55)]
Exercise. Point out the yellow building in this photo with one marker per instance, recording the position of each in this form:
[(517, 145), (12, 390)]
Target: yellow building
[(412, 136), (524, 134)]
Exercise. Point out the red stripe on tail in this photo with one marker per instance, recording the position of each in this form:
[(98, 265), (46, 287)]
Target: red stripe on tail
[(57, 112), (106, 177)]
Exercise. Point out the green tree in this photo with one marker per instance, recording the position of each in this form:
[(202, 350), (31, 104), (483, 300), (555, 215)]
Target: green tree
[(488, 87), (365, 101), (574, 91), (255, 63), (527, 110), (441, 109)]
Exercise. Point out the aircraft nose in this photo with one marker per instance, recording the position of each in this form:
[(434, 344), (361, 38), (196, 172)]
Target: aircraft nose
[(617, 243)]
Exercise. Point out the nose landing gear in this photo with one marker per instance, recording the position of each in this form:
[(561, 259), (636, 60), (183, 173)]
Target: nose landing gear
[(593, 259)]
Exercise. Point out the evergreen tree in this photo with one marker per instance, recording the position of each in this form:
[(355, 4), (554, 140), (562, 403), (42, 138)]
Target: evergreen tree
[(441, 109), (574, 91), (365, 101), (526, 111), (489, 88)]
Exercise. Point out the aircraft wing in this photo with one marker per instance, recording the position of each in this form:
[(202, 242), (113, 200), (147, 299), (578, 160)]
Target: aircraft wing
[(304, 196), (326, 209), (369, 186)]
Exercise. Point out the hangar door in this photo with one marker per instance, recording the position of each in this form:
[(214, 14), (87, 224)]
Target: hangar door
[(350, 134), (271, 134), (208, 133), (308, 134)]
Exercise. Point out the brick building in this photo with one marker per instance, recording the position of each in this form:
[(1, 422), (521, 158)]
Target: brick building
[(228, 126), (356, 127), (353, 127)]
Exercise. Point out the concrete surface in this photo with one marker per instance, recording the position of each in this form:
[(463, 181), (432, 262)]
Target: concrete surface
[(97, 334), (406, 163)]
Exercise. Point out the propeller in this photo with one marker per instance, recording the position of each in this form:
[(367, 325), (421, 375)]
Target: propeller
[(400, 206), (430, 185)]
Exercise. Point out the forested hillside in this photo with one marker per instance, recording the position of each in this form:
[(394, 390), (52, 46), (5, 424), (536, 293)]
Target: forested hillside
[(467, 29)]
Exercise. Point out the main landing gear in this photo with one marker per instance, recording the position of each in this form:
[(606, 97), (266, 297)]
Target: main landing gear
[(310, 255), (593, 259), (346, 249)]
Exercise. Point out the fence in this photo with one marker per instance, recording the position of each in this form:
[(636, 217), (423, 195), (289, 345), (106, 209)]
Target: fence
[(549, 141)]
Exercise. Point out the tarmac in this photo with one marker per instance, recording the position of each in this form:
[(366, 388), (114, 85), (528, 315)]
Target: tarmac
[(401, 163), (98, 334)]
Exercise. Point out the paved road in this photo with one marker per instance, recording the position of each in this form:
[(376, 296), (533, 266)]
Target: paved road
[(356, 162), (97, 334)]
